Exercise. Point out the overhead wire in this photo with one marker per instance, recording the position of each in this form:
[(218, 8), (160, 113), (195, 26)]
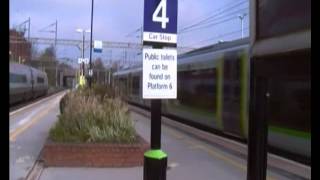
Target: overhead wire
[(219, 16), (134, 32), (217, 13), (207, 19), (223, 19), (44, 29), (219, 36)]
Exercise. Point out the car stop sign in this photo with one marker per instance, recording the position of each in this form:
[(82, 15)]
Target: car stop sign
[(160, 22)]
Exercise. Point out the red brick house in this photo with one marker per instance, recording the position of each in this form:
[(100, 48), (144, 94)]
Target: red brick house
[(20, 48)]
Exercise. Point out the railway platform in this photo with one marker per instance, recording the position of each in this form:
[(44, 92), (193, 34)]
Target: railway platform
[(189, 156)]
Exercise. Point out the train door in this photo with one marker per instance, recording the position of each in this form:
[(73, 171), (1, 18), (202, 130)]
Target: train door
[(288, 106), (231, 94)]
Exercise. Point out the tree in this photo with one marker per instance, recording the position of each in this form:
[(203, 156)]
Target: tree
[(98, 71), (49, 54), (49, 63)]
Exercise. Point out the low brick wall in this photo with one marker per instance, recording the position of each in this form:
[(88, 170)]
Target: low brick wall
[(94, 154)]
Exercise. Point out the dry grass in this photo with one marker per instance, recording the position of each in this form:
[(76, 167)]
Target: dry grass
[(93, 117)]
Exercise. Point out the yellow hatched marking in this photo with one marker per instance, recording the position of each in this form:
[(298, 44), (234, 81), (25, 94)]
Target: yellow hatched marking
[(22, 128)]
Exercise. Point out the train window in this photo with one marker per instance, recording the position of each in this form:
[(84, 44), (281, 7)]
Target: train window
[(198, 89), (17, 78), (290, 103), (231, 76), (279, 17), (40, 80), (289, 85)]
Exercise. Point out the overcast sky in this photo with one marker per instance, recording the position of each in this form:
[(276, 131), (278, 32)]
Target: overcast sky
[(115, 19)]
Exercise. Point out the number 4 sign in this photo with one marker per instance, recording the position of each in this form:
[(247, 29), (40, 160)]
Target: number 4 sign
[(163, 19), (160, 22)]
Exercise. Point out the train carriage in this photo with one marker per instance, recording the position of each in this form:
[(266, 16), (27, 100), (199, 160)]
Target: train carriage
[(213, 91), (280, 46), (26, 83)]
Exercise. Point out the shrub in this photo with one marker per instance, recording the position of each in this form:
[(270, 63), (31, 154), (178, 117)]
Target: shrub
[(103, 91), (63, 103), (88, 118), (97, 90)]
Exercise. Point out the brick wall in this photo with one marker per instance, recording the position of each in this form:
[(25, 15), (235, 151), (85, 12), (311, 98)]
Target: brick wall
[(19, 46), (94, 154)]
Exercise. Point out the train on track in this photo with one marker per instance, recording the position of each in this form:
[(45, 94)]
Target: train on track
[(26, 83), (213, 92)]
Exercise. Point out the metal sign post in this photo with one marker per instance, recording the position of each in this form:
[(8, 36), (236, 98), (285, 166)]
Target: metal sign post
[(258, 128), (159, 75)]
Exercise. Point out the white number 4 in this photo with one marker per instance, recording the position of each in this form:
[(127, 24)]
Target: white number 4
[(163, 19)]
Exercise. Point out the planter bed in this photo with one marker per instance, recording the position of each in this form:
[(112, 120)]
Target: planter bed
[(94, 154)]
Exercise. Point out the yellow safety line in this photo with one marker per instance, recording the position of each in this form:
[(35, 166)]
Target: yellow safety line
[(21, 129), (213, 153), (33, 104)]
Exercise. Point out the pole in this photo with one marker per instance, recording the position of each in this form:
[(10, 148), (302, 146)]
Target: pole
[(109, 76), (29, 30), (55, 48), (241, 28), (241, 19), (155, 124), (83, 40), (258, 127), (155, 160), (56, 32), (90, 66), (56, 74)]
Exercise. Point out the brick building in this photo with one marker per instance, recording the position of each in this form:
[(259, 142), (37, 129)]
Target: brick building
[(20, 48)]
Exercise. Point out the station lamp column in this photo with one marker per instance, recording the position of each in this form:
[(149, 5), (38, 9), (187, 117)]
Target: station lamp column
[(83, 42), (90, 60), (241, 17)]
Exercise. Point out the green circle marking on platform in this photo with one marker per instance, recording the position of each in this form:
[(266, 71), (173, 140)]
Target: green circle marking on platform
[(155, 154)]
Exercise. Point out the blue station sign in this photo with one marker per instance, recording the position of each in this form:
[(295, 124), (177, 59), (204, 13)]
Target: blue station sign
[(97, 46), (160, 21)]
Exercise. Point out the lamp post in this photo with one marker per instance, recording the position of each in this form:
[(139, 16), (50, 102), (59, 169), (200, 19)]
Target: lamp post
[(241, 17), (83, 41), (90, 60)]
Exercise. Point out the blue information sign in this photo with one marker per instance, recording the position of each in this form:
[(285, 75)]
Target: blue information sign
[(97, 46), (97, 50), (160, 21)]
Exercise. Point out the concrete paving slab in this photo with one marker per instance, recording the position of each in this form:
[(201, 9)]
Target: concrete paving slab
[(27, 138), (188, 159)]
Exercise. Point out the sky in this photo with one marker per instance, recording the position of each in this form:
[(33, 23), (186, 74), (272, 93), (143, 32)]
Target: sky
[(114, 20)]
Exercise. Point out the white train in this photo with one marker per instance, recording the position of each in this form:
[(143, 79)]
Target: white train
[(26, 83)]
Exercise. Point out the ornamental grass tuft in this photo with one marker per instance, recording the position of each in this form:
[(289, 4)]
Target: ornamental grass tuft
[(93, 117)]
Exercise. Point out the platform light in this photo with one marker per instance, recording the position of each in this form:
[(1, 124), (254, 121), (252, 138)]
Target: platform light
[(81, 30)]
